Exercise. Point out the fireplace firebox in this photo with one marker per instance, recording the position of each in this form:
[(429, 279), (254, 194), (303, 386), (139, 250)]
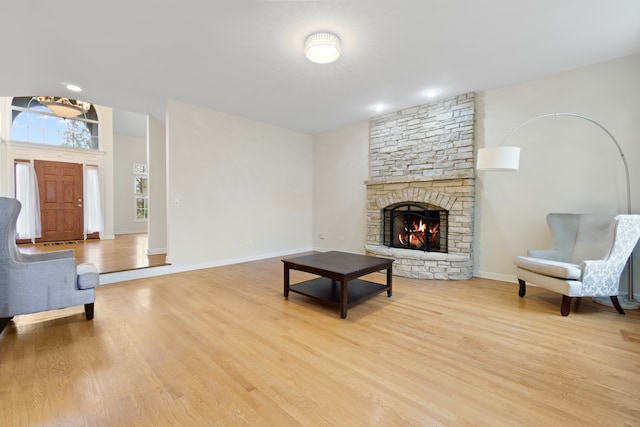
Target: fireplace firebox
[(415, 226)]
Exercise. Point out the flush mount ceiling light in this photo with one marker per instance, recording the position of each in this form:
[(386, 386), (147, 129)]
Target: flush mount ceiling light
[(64, 107), (322, 48)]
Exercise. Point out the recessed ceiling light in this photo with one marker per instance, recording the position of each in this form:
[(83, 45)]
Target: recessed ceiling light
[(432, 92), (378, 107), (74, 88)]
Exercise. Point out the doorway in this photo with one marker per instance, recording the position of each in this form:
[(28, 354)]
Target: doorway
[(60, 186)]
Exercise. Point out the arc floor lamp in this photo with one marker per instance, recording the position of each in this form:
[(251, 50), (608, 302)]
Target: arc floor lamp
[(507, 158)]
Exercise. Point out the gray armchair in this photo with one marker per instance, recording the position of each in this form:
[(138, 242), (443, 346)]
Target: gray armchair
[(587, 258), (39, 282)]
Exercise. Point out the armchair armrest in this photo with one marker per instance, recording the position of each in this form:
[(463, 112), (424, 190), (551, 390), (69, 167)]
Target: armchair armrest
[(601, 277), (49, 273), (43, 285)]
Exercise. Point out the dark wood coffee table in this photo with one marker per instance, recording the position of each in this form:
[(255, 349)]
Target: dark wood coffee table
[(339, 283)]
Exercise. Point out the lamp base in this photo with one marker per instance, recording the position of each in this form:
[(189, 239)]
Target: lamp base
[(623, 300)]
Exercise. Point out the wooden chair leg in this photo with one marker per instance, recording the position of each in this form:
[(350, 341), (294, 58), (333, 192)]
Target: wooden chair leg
[(88, 311), (523, 288), (616, 303), (3, 322), (566, 305)]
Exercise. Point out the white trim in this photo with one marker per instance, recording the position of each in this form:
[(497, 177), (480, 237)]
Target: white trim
[(497, 276), (141, 273), (230, 261), (123, 276), (323, 249), (119, 232), (157, 251), (47, 147)]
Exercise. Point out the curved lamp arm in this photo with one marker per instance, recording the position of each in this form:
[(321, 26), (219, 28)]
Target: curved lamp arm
[(507, 158)]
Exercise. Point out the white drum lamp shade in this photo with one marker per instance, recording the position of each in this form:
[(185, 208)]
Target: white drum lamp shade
[(498, 158)]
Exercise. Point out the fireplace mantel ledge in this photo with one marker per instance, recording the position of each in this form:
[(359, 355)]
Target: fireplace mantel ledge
[(406, 179), (417, 255)]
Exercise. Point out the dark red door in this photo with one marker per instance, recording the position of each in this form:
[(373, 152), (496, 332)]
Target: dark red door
[(61, 200)]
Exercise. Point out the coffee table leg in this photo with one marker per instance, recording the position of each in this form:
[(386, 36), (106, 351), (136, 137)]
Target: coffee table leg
[(343, 298), (389, 279), (286, 281)]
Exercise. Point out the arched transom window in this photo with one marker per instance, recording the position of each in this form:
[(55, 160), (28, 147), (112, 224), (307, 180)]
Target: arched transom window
[(54, 121)]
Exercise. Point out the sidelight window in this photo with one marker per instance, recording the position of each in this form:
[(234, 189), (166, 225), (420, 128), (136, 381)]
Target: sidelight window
[(141, 191)]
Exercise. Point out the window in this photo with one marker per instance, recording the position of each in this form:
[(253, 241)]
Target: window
[(33, 122), (140, 191)]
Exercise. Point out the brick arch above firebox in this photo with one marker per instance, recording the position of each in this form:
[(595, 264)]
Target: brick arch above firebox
[(420, 195)]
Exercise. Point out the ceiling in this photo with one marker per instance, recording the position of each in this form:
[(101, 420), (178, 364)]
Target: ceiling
[(247, 57)]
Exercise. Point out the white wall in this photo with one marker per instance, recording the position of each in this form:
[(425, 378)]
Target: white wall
[(105, 115), (340, 169), (127, 151), (157, 155), (237, 189), (567, 164)]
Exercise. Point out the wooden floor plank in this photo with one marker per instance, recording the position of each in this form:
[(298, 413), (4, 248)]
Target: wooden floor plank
[(221, 346), (122, 253)]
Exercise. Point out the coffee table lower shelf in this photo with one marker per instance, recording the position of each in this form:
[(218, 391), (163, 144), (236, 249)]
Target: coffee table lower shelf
[(328, 290)]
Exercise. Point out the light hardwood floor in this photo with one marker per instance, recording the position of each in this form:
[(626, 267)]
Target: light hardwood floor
[(222, 346), (125, 252)]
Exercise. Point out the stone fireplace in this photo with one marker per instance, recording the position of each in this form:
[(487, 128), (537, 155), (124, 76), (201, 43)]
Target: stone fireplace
[(421, 169)]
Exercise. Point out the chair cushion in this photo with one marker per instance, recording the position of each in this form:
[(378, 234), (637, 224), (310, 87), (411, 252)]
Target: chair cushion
[(87, 276), (561, 270)]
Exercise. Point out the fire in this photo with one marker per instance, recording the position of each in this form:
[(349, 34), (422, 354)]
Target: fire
[(434, 227), (415, 233)]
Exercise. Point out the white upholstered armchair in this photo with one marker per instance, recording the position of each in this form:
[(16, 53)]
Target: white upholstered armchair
[(588, 255), (39, 282)]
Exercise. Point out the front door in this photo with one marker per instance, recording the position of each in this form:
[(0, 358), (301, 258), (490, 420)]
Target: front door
[(61, 200)]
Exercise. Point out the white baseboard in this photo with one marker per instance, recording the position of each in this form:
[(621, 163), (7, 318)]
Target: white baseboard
[(141, 273), (122, 276), (496, 276), (323, 249), (230, 261), (157, 251)]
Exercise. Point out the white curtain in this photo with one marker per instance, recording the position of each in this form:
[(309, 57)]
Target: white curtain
[(92, 206), (28, 225)]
